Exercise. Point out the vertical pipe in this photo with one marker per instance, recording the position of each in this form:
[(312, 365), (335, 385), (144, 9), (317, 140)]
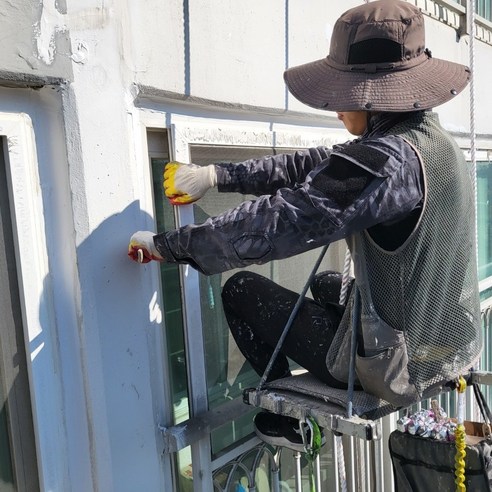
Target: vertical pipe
[(317, 468), (297, 457)]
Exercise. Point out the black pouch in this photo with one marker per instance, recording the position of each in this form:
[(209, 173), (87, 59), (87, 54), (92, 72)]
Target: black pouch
[(423, 464)]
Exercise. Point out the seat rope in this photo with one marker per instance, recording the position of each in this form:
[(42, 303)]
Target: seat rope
[(461, 386)]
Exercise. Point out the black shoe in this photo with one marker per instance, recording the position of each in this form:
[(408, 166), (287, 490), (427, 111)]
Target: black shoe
[(278, 430)]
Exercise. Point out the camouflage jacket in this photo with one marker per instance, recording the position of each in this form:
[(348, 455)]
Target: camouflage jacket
[(305, 200)]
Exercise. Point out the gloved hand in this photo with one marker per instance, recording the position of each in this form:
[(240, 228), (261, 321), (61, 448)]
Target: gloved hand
[(186, 183), (142, 248)]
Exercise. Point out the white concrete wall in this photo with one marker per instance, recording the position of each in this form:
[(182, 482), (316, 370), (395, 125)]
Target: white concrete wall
[(107, 387), (35, 38), (229, 50), (119, 337), (236, 52)]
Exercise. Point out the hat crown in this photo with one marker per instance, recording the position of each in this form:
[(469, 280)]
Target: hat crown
[(378, 62), (384, 31)]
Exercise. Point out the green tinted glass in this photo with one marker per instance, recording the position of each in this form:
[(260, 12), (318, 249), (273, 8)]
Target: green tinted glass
[(484, 217)]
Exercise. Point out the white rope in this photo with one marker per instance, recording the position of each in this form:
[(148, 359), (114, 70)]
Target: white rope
[(345, 278), (470, 9), (341, 464)]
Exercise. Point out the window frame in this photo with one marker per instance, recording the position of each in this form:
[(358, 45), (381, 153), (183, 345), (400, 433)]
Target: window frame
[(190, 131), (185, 130), (14, 379), (482, 153), (27, 216)]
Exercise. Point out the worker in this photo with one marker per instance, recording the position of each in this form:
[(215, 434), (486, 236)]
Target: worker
[(401, 196)]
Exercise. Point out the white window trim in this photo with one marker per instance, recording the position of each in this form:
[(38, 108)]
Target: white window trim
[(37, 311)]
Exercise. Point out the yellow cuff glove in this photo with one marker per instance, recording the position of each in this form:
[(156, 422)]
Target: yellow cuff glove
[(186, 183)]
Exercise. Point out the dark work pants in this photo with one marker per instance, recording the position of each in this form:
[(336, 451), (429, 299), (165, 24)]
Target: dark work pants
[(257, 311)]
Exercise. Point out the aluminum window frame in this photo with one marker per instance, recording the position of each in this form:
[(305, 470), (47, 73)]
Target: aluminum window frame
[(186, 130), (481, 154)]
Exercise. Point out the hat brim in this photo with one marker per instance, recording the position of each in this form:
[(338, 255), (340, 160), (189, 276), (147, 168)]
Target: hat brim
[(427, 85)]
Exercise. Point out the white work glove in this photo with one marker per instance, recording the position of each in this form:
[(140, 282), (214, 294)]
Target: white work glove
[(186, 183), (142, 248)]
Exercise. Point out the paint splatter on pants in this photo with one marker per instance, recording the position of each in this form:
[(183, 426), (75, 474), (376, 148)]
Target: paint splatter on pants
[(257, 310)]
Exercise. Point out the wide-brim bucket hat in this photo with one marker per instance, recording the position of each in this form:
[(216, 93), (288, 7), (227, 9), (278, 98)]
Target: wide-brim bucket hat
[(378, 62)]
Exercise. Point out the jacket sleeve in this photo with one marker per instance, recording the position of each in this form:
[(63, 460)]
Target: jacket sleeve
[(357, 187), (268, 174)]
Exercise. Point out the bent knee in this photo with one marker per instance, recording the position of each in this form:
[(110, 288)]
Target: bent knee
[(240, 283)]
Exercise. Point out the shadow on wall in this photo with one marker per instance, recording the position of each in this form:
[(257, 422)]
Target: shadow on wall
[(120, 337), (102, 356)]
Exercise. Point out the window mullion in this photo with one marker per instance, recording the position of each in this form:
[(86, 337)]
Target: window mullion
[(195, 351)]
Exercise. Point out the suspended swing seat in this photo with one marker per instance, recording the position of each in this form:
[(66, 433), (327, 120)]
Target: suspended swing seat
[(347, 412), (304, 395)]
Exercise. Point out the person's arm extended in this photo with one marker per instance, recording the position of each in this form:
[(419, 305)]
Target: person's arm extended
[(266, 175), (187, 183), (355, 189)]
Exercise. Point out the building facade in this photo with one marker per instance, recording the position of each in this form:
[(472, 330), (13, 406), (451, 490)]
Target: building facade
[(106, 364)]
